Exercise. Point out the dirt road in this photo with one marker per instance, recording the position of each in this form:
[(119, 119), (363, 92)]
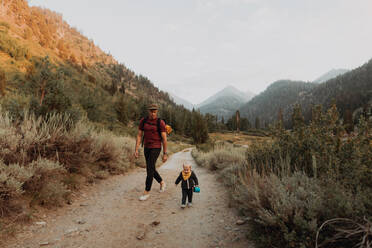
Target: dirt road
[(109, 214)]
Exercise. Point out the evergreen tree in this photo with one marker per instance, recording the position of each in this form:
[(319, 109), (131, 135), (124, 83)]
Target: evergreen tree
[(257, 123), (237, 117), (348, 121), (199, 128), (121, 108), (244, 124), (298, 120)]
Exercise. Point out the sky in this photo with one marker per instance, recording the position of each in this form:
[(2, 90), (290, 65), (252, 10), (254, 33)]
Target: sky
[(195, 48)]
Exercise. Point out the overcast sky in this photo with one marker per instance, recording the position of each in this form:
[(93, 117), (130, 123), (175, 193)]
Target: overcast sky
[(194, 48)]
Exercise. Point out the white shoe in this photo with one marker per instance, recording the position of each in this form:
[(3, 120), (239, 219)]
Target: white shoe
[(144, 197), (183, 205), (162, 187), (189, 204)]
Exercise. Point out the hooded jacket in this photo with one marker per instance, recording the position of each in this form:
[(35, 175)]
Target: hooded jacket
[(189, 183)]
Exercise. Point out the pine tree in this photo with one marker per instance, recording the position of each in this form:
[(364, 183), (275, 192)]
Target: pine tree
[(298, 120), (257, 123), (199, 128), (280, 118), (237, 117), (348, 121), (121, 108)]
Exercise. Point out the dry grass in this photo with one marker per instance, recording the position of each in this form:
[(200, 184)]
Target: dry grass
[(44, 159), (176, 146), (237, 138), (222, 156)]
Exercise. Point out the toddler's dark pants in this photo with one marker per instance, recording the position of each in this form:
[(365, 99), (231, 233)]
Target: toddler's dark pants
[(151, 155), (186, 193)]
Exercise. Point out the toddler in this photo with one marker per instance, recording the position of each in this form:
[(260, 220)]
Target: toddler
[(188, 181)]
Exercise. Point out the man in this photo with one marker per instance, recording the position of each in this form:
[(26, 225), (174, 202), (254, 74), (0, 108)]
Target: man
[(153, 140)]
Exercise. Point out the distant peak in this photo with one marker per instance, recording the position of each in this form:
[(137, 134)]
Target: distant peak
[(330, 74), (230, 87)]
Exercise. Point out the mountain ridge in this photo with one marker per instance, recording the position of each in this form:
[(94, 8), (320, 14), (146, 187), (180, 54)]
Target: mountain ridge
[(181, 101), (276, 96), (330, 74), (224, 103)]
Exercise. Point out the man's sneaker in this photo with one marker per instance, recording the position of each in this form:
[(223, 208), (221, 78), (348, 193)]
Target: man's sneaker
[(183, 205), (189, 204), (144, 197), (162, 187)]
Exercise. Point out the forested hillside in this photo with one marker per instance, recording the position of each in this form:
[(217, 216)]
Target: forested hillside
[(265, 107), (47, 66), (329, 75), (351, 92)]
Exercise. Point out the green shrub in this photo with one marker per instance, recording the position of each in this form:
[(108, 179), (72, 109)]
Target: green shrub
[(11, 47), (291, 185), (41, 155)]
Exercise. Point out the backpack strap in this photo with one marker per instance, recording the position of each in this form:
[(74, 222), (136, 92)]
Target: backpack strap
[(158, 126), (143, 123)]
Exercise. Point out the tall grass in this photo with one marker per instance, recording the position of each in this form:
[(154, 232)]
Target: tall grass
[(301, 179), (45, 158)]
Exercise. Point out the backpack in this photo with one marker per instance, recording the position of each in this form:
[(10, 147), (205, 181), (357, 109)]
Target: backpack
[(167, 128)]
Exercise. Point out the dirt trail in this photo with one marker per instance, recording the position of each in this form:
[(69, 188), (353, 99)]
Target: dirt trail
[(109, 214)]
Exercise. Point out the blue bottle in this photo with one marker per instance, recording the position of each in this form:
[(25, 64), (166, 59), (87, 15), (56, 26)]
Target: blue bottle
[(196, 189)]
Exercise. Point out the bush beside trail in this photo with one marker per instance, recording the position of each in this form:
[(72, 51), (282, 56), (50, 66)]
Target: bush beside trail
[(291, 185), (43, 159)]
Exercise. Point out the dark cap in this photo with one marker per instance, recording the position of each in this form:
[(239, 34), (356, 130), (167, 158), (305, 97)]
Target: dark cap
[(153, 106)]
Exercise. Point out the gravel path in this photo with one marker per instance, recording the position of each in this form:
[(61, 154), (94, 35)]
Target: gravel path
[(109, 214)]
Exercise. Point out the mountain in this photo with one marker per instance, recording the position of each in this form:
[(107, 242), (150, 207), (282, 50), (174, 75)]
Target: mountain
[(47, 66), (227, 91), (351, 91), (329, 75), (180, 101), (278, 95), (249, 94), (224, 103)]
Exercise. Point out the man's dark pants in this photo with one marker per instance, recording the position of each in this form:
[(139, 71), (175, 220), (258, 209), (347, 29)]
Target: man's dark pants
[(151, 155)]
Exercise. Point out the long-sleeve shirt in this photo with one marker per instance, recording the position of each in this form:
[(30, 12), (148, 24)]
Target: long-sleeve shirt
[(189, 183)]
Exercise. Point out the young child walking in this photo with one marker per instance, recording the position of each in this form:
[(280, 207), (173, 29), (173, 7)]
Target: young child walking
[(188, 181)]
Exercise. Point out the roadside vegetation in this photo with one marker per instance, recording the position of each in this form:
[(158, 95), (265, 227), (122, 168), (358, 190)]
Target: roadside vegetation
[(46, 158), (308, 187)]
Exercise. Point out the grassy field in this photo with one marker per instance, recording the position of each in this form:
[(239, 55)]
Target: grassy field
[(237, 138)]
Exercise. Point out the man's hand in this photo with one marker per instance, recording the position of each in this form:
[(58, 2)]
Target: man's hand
[(136, 154), (165, 158)]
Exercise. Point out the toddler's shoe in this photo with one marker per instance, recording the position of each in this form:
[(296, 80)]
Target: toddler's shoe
[(183, 205), (144, 197), (189, 204), (162, 187)]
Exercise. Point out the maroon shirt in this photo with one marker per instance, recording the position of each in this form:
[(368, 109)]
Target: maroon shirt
[(151, 134)]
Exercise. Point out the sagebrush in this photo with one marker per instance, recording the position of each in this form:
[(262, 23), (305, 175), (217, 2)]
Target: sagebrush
[(291, 185)]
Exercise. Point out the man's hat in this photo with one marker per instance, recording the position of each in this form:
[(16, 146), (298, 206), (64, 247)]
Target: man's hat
[(153, 106)]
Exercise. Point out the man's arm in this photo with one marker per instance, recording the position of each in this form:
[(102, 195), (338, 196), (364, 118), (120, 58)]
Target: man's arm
[(138, 142), (164, 142)]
